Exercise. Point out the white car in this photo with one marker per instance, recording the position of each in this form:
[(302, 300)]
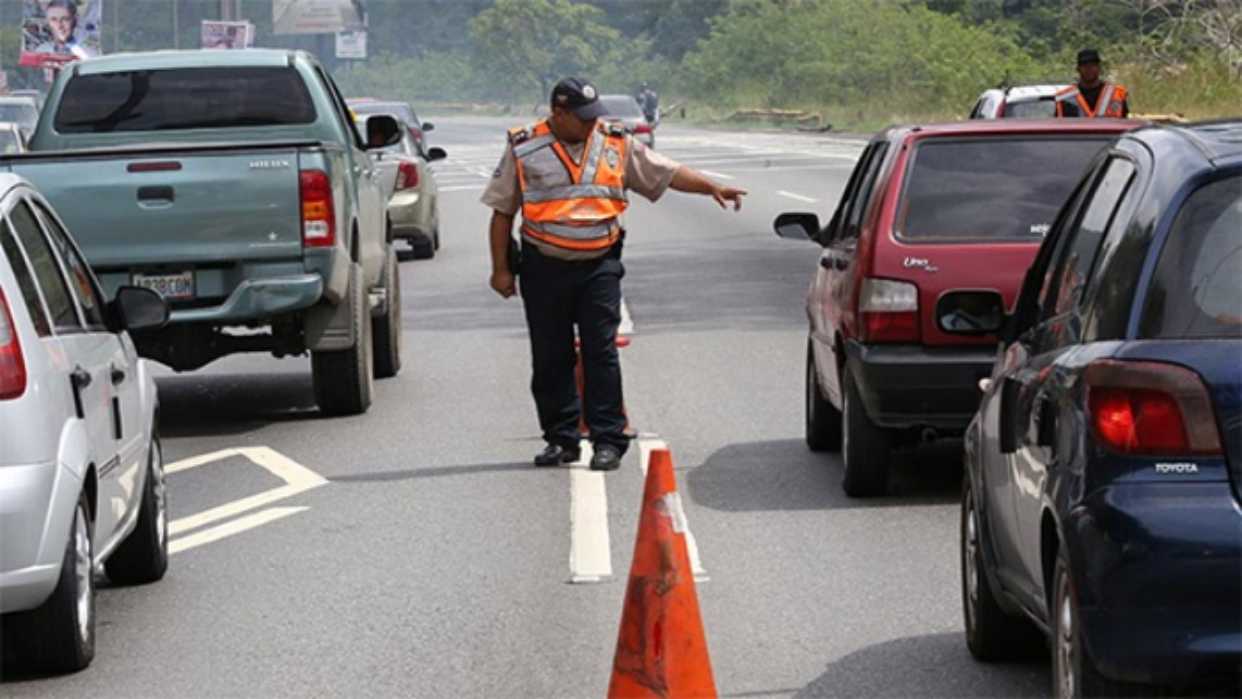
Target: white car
[(11, 138), (1017, 102), (81, 471)]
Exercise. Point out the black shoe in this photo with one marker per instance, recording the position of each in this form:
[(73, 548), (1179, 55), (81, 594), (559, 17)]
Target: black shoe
[(555, 455), (606, 458)]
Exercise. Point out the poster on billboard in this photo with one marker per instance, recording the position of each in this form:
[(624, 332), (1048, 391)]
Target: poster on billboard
[(351, 44), (227, 35), (315, 16), (55, 32)]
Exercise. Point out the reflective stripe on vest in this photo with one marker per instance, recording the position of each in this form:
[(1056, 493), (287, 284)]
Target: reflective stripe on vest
[(567, 204), (1110, 103)]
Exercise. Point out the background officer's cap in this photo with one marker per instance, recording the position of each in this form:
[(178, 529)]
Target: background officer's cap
[(579, 96), (1086, 56)]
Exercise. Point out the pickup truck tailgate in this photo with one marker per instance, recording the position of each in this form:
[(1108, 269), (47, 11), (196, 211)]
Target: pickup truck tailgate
[(169, 208)]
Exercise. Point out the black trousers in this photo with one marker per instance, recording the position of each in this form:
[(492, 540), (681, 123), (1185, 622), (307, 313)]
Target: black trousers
[(559, 295)]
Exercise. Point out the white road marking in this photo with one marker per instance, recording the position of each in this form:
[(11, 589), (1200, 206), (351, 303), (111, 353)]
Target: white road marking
[(461, 188), (717, 175), (590, 548), (236, 526), (646, 445), (627, 322), (797, 197), (297, 478)]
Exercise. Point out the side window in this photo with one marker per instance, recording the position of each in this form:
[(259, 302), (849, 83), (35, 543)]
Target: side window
[(79, 273), (46, 269), (851, 187), (858, 208), (25, 281), (1074, 268)]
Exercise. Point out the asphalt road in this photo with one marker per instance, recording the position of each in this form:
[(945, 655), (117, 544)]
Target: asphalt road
[(414, 551)]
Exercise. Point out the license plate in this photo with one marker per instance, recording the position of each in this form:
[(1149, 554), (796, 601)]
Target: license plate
[(174, 287)]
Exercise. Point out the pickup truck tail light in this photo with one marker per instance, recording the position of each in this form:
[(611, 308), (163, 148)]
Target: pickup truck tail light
[(889, 311), (407, 175), (1151, 409), (12, 363), (318, 216)]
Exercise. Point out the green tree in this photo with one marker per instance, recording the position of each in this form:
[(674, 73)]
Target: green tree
[(525, 46)]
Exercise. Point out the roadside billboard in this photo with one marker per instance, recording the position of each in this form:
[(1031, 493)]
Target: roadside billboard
[(351, 44), (315, 16), (56, 32), (227, 35)]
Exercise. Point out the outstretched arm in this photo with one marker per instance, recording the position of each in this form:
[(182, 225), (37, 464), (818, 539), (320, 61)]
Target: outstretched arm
[(690, 180)]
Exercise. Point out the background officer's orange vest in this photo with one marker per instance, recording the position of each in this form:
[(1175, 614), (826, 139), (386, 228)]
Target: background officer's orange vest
[(567, 204), (1110, 104)]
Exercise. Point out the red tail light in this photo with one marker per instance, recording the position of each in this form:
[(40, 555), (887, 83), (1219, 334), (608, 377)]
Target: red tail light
[(642, 128), (12, 363), (1150, 408), (318, 215), (407, 175), (889, 311)]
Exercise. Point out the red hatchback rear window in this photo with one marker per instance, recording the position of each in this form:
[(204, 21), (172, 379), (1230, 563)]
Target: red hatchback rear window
[(991, 189)]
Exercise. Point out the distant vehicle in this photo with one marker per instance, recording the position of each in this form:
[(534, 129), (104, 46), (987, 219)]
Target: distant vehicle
[(624, 109), (81, 471), (1017, 102), (410, 189), (236, 184), (22, 110), (1104, 466), (11, 138), (363, 106), (919, 219)]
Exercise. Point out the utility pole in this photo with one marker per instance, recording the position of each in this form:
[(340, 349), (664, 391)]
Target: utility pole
[(230, 10), (176, 25)]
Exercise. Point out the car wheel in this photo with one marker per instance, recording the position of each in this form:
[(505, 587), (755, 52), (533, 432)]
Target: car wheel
[(344, 379), (991, 633), (1073, 672), (59, 636), (864, 448), (388, 326), (143, 556), (424, 248), (436, 239), (823, 420)]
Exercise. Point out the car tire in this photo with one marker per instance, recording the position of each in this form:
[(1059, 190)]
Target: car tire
[(823, 420), (864, 447), (388, 325), (143, 556), (344, 379), (991, 633), (1074, 674), (435, 239), (424, 248), (59, 635)]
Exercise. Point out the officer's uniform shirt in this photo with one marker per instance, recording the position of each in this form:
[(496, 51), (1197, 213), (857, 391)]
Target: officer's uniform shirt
[(646, 172)]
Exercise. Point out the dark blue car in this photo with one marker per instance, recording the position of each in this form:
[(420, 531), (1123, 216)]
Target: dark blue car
[(1100, 506)]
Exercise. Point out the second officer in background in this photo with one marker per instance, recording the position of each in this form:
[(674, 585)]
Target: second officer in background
[(569, 176)]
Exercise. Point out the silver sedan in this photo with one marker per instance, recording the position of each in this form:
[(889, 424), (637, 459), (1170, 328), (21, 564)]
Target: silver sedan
[(410, 189)]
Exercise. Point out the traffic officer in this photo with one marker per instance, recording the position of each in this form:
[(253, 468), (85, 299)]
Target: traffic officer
[(569, 175), (1092, 97)]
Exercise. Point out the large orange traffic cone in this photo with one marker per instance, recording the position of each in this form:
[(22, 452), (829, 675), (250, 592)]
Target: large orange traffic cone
[(661, 649)]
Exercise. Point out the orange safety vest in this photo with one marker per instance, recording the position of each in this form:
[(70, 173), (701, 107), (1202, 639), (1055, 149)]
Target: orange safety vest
[(566, 204), (1110, 104)]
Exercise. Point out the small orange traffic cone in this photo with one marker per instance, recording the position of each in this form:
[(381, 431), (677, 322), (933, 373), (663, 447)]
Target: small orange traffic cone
[(661, 649)]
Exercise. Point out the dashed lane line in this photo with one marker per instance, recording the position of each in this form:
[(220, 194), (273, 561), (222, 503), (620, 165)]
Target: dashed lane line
[(717, 175), (796, 197)]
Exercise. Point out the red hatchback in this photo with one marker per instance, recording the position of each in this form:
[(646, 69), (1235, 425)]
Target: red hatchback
[(927, 211)]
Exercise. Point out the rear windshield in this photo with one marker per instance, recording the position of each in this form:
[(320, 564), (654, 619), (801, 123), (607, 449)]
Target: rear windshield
[(624, 106), (184, 98), (991, 189), (1031, 109), (1197, 288)]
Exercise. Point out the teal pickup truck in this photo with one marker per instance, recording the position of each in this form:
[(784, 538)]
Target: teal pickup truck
[(236, 184)]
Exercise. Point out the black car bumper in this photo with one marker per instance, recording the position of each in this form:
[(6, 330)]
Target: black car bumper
[(1158, 567), (910, 386)]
